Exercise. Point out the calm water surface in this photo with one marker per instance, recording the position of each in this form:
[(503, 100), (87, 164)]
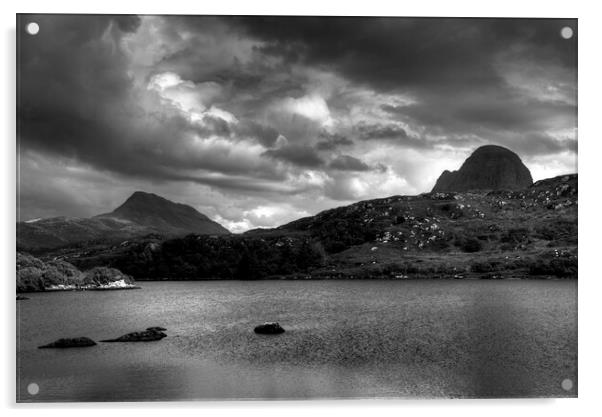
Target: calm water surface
[(344, 339)]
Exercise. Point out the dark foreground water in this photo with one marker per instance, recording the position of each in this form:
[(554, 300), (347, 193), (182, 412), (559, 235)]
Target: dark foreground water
[(344, 339)]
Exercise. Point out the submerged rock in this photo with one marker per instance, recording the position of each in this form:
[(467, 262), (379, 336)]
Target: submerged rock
[(144, 336), (69, 343), (22, 297), (269, 328)]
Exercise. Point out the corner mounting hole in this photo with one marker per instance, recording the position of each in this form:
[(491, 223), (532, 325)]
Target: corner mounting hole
[(567, 385), (32, 28), (566, 32), (33, 388)]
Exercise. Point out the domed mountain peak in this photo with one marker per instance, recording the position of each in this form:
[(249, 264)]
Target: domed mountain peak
[(489, 167)]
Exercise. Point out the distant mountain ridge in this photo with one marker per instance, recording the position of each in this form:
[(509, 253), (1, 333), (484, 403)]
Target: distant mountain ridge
[(490, 167), (141, 214)]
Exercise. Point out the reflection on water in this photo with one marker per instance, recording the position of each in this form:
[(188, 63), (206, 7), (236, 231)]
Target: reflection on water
[(344, 339)]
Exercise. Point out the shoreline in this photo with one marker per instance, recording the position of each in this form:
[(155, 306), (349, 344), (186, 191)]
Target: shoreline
[(80, 289), (288, 278)]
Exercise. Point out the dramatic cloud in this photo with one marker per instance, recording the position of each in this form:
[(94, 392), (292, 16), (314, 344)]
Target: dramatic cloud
[(348, 163), (257, 121), (331, 142), (298, 155)]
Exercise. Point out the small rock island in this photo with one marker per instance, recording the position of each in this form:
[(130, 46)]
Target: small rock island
[(149, 335), (69, 343), (269, 328)]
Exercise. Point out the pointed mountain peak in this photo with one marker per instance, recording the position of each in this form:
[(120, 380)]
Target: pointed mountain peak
[(152, 210)]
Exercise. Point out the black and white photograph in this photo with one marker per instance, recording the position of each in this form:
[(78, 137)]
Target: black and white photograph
[(291, 207)]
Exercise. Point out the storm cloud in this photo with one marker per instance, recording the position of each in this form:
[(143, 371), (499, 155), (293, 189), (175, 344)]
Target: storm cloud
[(256, 121)]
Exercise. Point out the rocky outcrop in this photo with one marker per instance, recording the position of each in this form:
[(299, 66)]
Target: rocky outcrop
[(489, 167), (106, 278), (69, 343), (34, 275), (269, 328), (149, 335), (156, 329)]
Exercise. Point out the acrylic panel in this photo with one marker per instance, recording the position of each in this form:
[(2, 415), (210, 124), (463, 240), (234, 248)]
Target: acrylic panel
[(295, 207)]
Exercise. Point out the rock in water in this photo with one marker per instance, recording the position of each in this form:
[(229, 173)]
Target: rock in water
[(21, 297), (490, 167), (269, 328), (69, 343), (156, 329), (145, 336)]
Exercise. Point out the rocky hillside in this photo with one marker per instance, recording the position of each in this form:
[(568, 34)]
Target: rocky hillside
[(140, 215), (487, 234), (490, 167)]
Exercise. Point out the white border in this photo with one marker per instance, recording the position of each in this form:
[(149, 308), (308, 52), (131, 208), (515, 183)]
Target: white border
[(590, 138)]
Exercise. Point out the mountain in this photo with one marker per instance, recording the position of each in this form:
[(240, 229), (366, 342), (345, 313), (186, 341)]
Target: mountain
[(528, 233), (489, 167), (141, 214), (164, 216)]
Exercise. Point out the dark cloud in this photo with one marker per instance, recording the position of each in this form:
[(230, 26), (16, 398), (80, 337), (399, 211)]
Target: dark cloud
[(390, 132), (216, 126), (349, 163), (482, 112), (535, 144), (266, 135), (299, 155), (333, 141), (78, 99), (73, 87), (392, 52), (127, 23), (467, 77)]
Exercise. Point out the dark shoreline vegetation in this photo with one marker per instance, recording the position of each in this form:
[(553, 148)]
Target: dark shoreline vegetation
[(35, 275), (530, 234)]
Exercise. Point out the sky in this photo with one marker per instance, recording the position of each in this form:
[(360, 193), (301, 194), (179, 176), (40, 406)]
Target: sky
[(257, 121)]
